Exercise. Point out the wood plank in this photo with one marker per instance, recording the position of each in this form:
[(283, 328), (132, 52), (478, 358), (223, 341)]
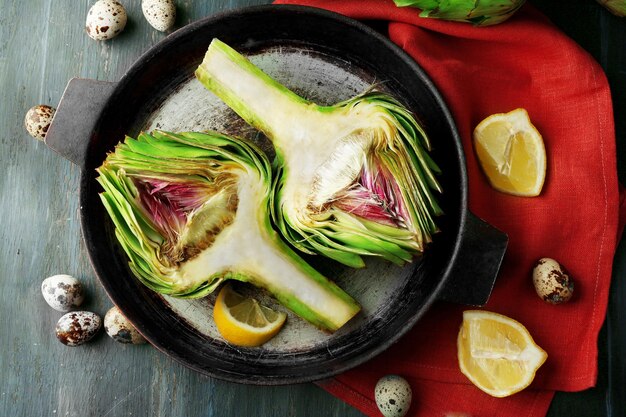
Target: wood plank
[(41, 237)]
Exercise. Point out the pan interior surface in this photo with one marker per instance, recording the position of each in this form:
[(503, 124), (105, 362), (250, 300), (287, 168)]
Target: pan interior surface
[(332, 60), (321, 78)]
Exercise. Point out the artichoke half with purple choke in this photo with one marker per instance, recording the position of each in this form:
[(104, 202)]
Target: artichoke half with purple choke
[(192, 210), (353, 179)]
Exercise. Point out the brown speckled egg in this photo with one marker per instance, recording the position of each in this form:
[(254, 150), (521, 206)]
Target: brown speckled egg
[(120, 329), (161, 14), (62, 292), (105, 20), (393, 396), (38, 119), (78, 327), (552, 282)]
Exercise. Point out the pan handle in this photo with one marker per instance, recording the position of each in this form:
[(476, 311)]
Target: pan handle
[(76, 116), (478, 262)]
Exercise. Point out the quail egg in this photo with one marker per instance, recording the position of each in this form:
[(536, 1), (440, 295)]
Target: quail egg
[(552, 282), (120, 329), (38, 119), (393, 396), (62, 292), (161, 14), (77, 327), (105, 20)]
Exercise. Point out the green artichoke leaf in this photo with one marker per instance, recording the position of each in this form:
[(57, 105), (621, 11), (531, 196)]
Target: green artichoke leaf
[(617, 7)]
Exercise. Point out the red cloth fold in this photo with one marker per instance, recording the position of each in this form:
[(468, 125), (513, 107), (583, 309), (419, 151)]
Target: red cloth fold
[(525, 62)]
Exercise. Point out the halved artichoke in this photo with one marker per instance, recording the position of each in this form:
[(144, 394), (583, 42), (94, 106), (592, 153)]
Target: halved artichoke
[(192, 210), (351, 179)]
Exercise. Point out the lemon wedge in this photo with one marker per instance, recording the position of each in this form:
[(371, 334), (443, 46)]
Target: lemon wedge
[(511, 153), (243, 321), (497, 353)]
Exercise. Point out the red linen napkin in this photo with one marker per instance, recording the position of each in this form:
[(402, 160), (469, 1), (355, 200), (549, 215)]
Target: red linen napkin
[(525, 62)]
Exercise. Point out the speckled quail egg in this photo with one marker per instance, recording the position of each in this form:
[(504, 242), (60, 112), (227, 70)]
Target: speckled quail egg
[(393, 396), (120, 329), (62, 292), (38, 119), (78, 327), (105, 20), (552, 282), (161, 14)]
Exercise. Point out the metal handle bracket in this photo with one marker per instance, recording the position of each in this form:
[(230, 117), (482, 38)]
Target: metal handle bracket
[(76, 116), (477, 265)]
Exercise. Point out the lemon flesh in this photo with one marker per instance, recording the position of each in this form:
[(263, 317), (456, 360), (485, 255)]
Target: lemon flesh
[(242, 321), (497, 353), (511, 153)]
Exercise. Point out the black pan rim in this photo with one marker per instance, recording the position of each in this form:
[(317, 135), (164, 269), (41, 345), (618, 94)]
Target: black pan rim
[(348, 363)]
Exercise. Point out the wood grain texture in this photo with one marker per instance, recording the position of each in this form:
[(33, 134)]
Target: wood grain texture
[(42, 46)]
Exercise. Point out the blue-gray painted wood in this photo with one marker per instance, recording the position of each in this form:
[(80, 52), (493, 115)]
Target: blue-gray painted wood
[(42, 46)]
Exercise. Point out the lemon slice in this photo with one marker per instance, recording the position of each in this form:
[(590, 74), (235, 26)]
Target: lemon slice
[(511, 153), (243, 321), (497, 353)]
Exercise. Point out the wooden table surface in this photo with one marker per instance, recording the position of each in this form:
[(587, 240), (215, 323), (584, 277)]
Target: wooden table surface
[(42, 46)]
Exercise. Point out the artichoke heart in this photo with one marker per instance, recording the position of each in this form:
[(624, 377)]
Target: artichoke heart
[(351, 179), (192, 210)]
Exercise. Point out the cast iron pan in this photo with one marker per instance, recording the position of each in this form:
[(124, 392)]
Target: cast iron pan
[(327, 58)]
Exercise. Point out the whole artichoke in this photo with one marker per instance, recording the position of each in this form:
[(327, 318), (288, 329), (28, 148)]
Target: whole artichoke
[(477, 12)]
